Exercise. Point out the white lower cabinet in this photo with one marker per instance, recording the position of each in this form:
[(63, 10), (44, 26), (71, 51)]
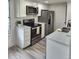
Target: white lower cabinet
[(23, 36)]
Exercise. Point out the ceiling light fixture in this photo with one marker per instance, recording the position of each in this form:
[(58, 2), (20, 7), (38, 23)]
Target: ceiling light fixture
[(46, 1)]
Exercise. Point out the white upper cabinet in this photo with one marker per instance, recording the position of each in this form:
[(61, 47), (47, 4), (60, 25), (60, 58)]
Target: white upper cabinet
[(21, 7)]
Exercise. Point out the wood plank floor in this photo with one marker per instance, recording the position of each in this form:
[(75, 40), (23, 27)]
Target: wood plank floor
[(36, 51)]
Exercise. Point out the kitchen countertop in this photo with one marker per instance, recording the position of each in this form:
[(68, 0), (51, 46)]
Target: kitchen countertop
[(60, 37)]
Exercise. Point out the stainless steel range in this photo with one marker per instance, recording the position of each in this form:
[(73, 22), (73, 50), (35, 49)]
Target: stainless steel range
[(35, 30)]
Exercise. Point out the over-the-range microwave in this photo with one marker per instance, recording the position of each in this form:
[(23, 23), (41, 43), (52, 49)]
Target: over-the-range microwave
[(30, 10)]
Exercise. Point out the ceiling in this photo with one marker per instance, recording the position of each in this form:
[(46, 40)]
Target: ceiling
[(51, 1)]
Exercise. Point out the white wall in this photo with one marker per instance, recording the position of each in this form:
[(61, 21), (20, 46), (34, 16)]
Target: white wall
[(59, 14)]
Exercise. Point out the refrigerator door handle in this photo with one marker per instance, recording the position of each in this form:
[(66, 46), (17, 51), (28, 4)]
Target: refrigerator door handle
[(49, 21)]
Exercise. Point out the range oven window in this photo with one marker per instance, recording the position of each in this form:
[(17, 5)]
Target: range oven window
[(36, 31)]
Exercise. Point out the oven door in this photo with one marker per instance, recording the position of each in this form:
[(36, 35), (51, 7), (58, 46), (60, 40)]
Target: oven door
[(36, 31)]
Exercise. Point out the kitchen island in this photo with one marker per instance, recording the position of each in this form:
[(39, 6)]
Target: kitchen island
[(58, 45)]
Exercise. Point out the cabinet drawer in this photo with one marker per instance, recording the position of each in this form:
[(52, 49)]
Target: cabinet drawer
[(27, 39)]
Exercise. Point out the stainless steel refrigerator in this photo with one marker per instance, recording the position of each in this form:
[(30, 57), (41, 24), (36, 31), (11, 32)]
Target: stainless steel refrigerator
[(47, 17)]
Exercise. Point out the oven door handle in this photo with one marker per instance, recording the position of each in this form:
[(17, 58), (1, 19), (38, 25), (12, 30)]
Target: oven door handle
[(34, 28)]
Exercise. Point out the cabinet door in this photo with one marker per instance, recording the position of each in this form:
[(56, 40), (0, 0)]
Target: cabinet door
[(27, 37), (55, 50), (17, 8), (20, 8)]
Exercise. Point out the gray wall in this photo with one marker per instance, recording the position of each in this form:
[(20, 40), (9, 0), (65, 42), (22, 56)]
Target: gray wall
[(59, 14)]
